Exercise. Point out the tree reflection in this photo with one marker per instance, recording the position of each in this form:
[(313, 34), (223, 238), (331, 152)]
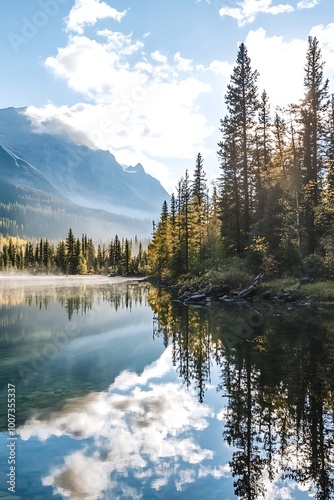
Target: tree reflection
[(37, 326), (279, 379)]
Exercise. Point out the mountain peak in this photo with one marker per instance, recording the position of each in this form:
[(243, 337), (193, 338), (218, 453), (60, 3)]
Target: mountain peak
[(54, 164), (136, 169)]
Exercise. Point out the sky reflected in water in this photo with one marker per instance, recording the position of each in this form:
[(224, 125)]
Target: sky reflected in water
[(139, 399)]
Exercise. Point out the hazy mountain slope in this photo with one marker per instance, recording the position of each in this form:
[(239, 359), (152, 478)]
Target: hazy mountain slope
[(48, 183)]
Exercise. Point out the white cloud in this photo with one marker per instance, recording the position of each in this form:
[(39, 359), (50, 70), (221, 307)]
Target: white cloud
[(307, 4), (119, 43), (146, 108), (280, 64), (325, 36), (249, 9), (94, 68), (221, 68), (157, 56), (138, 427), (88, 12), (182, 63), (141, 110)]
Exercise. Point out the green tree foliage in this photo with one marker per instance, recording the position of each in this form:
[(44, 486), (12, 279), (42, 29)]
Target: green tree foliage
[(242, 103), (314, 112), (74, 256), (180, 242), (272, 204)]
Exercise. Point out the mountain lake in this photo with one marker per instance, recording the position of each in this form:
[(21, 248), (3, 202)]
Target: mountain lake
[(112, 390)]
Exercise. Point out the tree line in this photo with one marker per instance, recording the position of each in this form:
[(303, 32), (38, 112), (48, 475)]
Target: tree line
[(272, 206), (74, 255)]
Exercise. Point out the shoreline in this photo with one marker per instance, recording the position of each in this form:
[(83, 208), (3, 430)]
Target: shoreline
[(279, 290)]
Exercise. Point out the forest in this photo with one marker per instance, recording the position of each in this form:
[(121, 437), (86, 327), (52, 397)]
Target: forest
[(74, 256), (271, 208)]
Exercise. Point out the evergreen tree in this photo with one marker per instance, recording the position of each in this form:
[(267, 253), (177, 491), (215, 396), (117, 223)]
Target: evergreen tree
[(198, 185), (117, 254), (242, 104), (263, 154), (127, 256), (230, 189), (313, 111), (159, 249), (184, 221), (70, 253), (90, 258), (61, 260), (199, 214)]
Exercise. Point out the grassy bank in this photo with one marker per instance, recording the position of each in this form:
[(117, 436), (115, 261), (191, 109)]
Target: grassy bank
[(321, 290), (230, 280)]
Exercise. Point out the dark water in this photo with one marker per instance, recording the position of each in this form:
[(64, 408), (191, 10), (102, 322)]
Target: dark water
[(122, 394)]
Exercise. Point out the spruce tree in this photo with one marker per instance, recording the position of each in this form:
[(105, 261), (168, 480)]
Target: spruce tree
[(160, 247), (198, 214), (230, 189), (198, 185), (185, 197), (263, 154), (242, 104), (127, 256), (70, 252), (313, 109)]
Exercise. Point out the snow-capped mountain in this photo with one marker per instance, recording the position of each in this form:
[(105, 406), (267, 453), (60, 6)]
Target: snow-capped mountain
[(51, 169)]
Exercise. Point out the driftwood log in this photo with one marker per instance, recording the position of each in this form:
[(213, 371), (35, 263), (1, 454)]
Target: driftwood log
[(249, 290)]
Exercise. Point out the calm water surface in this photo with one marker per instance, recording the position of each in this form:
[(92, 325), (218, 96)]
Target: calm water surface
[(123, 394)]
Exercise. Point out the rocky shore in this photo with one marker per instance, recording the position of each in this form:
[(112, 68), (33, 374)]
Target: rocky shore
[(222, 293)]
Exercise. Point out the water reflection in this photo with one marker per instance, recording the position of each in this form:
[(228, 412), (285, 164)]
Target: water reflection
[(138, 434), (60, 342), (279, 380), (220, 402)]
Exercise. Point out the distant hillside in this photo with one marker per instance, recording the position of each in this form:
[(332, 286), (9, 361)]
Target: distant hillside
[(48, 184)]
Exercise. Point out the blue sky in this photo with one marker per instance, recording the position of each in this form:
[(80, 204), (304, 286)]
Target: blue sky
[(146, 80)]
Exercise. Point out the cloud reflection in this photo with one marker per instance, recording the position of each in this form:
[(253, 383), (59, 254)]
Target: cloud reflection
[(142, 429)]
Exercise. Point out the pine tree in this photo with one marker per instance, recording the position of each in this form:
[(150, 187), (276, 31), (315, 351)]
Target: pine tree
[(198, 185), (159, 249), (330, 151), (184, 221), (242, 104), (61, 260), (127, 256), (230, 189), (263, 154), (90, 258), (99, 258), (198, 214), (117, 254), (213, 246), (70, 252), (313, 111)]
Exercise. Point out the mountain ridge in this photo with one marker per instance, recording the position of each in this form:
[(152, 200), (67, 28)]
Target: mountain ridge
[(73, 175)]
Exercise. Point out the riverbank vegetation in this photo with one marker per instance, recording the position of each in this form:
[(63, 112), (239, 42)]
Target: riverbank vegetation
[(271, 209)]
